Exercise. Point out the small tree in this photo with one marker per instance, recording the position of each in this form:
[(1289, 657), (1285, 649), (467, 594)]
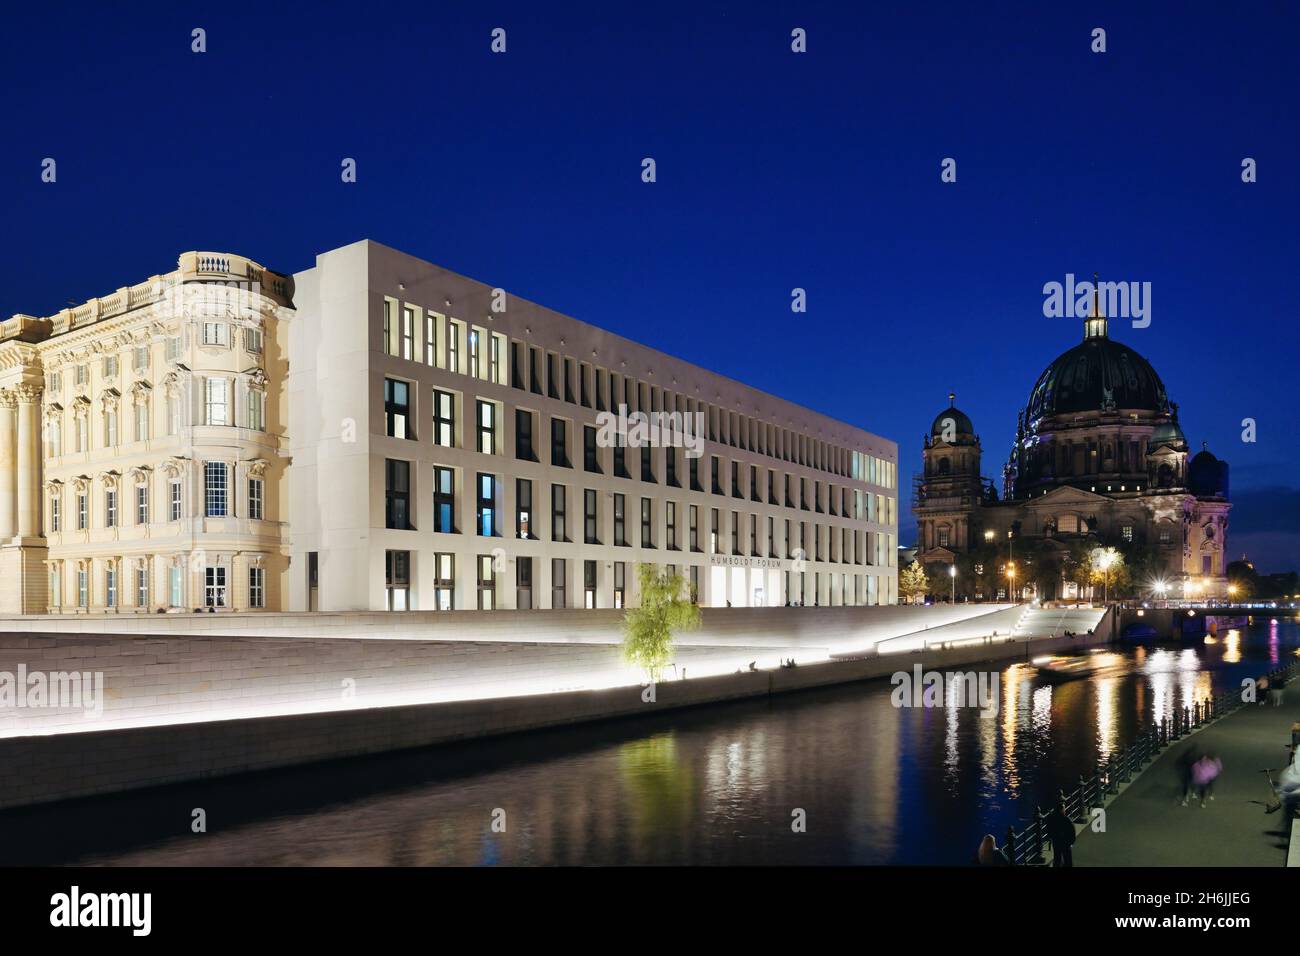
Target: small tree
[(913, 582), (666, 608)]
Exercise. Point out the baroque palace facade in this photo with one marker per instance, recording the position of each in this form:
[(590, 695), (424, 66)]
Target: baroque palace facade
[(142, 445), (1099, 460), (376, 432)]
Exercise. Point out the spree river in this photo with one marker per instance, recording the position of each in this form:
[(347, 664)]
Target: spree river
[(876, 784)]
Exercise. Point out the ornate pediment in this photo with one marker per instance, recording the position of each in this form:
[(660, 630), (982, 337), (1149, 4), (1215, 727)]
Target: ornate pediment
[(1066, 496)]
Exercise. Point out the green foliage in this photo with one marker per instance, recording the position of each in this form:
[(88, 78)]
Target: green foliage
[(666, 609), (913, 582)]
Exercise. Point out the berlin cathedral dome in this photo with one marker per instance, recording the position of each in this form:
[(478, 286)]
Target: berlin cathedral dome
[(1100, 459)]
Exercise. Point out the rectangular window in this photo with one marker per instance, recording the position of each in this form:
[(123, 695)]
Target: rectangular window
[(524, 507), (214, 587), (670, 468), (444, 500), (430, 340), (475, 367), (397, 495), (559, 583), (172, 349), (408, 333), (715, 467), (524, 583), (590, 502), (56, 517), (487, 583), (444, 582), (141, 504), (559, 443), (214, 489), (444, 419), (620, 456), (141, 587), (397, 580), (255, 498), (487, 509), (215, 402), (590, 451), (620, 583), (257, 587), (215, 333), (695, 527), (524, 435), (110, 428), (647, 523), (620, 534), (694, 468), (253, 341), (397, 409), (83, 588), (175, 586), (670, 516), (559, 500), (141, 421), (256, 409), (453, 346), (174, 501), (1127, 532), (110, 587), (487, 427), (589, 584), (647, 463)]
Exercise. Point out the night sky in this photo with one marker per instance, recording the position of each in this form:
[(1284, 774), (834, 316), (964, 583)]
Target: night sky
[(775, 170)]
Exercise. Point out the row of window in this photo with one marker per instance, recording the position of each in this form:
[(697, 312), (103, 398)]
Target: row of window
[(838, 544), (218, 409), (487, 583), (725, 477), (215, 333), (217, 501), (216, 589), (412, 334)]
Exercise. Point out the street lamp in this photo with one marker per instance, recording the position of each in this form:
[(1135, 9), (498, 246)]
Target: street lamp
[(1107, 559), (952, 573), (1011, 581)]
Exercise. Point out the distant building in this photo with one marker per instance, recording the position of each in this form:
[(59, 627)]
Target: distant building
[(1099, 458)]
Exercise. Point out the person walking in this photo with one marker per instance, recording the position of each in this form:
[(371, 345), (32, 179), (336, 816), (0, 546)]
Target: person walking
[(1061, 832), (1204, 772)]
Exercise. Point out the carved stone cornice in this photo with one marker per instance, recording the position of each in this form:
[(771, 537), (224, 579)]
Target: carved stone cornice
[(7, 398), (177, 467)]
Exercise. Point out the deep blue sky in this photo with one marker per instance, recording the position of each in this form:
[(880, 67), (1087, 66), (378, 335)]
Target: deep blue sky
[(775, 170)]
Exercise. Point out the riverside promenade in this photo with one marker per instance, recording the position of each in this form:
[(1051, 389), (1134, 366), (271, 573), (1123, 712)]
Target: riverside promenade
[(1146, 825)]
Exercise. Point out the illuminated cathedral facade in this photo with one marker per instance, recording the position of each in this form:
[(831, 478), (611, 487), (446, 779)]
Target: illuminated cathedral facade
[(1099, 460)]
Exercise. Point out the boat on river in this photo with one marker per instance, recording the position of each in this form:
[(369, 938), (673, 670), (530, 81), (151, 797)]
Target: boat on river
[(1057, 670)]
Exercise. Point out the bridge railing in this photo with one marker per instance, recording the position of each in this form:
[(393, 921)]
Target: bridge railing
[(1026, 846)]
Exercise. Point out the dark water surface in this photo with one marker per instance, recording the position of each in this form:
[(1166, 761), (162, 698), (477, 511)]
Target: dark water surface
[(716, 785)]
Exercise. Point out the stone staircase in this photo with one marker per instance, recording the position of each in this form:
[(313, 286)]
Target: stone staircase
[(1039, 622)]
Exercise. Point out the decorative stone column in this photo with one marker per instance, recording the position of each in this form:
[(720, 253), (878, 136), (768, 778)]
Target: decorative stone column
[(29, 461), (8, 465)]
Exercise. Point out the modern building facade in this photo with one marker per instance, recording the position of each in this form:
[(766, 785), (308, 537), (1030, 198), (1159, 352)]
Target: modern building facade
[(453, 451), (143, 446), (379, 433)]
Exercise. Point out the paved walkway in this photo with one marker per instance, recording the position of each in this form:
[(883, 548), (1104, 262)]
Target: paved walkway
[(1146, 826)]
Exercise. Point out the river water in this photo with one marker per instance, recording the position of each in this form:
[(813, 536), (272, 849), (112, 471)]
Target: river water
[(872, 783)]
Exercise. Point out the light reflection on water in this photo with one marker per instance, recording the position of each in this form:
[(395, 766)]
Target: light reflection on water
[(718, 785)]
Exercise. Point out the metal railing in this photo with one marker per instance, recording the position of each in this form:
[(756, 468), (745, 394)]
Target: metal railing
[(1025, 847)]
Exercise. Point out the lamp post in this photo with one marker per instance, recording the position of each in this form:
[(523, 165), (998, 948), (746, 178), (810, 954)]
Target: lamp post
[(952, 573), (1011, 582)]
